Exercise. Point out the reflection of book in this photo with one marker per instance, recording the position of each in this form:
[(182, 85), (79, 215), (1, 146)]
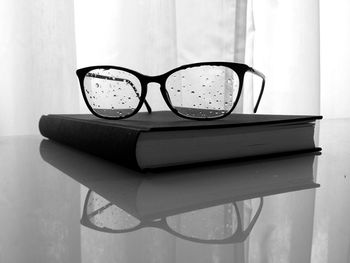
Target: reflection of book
[(162, 139), (182, 190)]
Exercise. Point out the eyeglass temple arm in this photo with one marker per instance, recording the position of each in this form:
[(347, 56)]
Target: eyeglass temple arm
[(247, 231), (149, 109), (262, 76)]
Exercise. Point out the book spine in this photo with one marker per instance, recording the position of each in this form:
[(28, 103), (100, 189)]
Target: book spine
[(113, 143)]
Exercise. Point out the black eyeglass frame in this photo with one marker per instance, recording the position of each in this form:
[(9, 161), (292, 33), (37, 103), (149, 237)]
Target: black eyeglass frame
[(239, 68)]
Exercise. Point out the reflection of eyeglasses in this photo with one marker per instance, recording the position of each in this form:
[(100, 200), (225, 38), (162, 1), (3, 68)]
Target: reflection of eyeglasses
[(220, 224), (200, 91)]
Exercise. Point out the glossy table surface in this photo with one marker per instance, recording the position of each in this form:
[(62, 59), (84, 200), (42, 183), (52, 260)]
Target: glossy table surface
[(61, 205)]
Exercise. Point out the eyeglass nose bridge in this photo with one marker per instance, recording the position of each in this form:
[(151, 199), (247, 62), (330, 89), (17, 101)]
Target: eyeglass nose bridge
[(159, 80), (147, 80)]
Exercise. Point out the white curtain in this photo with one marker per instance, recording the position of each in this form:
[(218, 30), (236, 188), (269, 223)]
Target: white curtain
[(37, 62), (335, 58), (300, 46), (286, 49)]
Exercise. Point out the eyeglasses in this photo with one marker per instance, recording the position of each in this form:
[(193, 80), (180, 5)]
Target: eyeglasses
[(200, 91), (220, 224)]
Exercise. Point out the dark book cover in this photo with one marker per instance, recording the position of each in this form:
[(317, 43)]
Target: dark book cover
[(117, 140)]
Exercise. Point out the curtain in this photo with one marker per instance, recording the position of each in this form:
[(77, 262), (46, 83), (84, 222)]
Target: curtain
[(37, 62), (286, 49), (335, 58), (300, 46)]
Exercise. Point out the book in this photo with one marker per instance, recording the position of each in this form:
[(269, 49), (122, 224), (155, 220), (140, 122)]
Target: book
[(172, 192), (161, 139)]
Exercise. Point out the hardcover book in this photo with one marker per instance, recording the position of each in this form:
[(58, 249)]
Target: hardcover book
[(161, 139)]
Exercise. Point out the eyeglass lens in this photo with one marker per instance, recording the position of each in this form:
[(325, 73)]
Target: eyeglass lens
[(203, 91), (103, 214), (212, 223), (112, 92)]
